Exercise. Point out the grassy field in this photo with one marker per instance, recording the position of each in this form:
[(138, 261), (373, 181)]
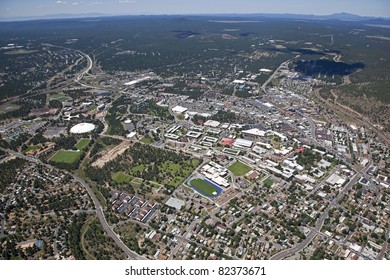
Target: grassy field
[(31, 148), (239, 169), (204, 187), (8, 107), (176, 181), (154, 184), (82, 144), (146, 140), (60, 97), (136, 182), (137, 168), (268, 182), (66, 156), (170, 167), (121, 177)]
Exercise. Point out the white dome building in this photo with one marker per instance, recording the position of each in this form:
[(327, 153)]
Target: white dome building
[(82, 128)]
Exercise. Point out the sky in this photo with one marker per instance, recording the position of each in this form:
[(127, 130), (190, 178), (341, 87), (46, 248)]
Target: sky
[(41, 8)]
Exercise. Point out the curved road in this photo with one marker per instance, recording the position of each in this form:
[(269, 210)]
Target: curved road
[(99, 211)]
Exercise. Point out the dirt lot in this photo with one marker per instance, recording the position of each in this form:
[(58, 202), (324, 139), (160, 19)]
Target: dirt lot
[(111, 154)]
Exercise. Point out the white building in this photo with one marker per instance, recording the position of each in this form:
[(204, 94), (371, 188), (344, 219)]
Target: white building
[(212, 123), (243, 143), (254, 133), (179, 110)]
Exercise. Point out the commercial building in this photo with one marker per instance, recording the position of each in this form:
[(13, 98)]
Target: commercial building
[(242, 143), (253, 134), (212, 123), (179, 109)]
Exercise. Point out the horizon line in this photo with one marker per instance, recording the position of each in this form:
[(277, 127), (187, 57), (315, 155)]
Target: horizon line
[(97, 14)]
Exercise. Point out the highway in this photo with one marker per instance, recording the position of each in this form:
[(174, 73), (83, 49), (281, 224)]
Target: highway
[(99, 211), (89, 67), (83, 72), (263, 87)]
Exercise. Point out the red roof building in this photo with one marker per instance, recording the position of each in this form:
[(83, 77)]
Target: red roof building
[(227, 142)]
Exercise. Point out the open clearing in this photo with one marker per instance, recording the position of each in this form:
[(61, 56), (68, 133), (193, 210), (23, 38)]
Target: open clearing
[(60, 97), (146, 140), (82, 144), (120, 177), (66, 156), (268, 182), (239, 169), (111, 154), (16, 52), (8, 107), (31, 148)]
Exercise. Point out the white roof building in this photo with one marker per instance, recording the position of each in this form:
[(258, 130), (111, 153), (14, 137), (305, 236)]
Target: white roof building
[(335, 179), (179, 109), (254, 132), (174, 202), (131, 134), (243, 143), (212, 123), (82, 128)]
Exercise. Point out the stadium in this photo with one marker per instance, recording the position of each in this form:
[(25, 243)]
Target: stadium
[(205, 187), (82, 128)]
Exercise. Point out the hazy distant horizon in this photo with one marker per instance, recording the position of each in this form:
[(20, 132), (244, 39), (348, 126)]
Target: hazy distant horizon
[(102, 15), (47, 8)]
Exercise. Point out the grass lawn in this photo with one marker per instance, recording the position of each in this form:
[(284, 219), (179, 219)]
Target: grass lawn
[(82, 144), (136, 182), (146, 140), (176, 181), (137, 168), (121, 177), (204, 187), (170, 167), (66, 156), (31, 148), (268, 182), (239, 169), (60, 97), (195, 162), (154, 184)]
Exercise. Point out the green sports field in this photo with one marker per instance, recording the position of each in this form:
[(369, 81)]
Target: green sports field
[(204, 187), (239, 169), (82, 144), (66, 156), (268, 182)]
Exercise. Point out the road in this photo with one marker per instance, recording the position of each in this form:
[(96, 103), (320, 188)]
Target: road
[(263, 87), (83, 72), (99, 211), (89, 67), (350, 113), (386, 245), (320, 222)]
